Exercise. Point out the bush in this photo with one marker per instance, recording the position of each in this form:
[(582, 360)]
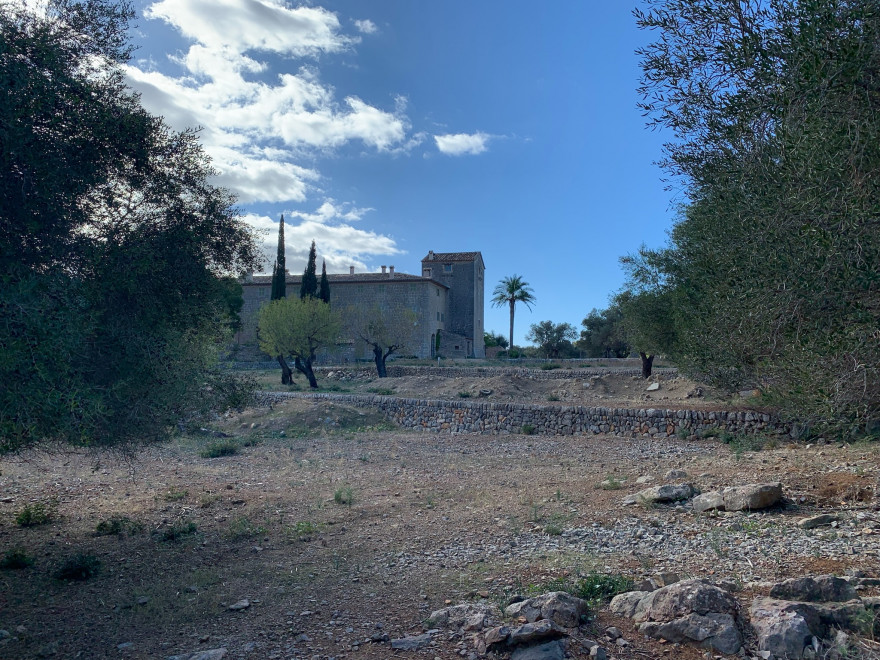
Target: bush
[(344, 496), (15, 559), (35, 514), (220, 448), (177, 531), (117, 526), (527, 429), (550, 366), (79, 567)]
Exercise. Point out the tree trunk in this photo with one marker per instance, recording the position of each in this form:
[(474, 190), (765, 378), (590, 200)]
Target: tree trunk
[(510, 348), (286, 373), (647, 363), (305, 368), (380, 361)]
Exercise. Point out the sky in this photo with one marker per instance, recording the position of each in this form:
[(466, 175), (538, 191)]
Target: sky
[(385, 129)]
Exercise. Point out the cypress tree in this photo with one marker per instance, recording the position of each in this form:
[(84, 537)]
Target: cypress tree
[(309, 286), (279, 271), (325, 283)]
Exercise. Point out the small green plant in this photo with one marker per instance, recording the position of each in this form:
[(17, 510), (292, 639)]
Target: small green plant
[(383, 391), (38, 513), (612, 483), (304, 530), (344, 495), (464, 395), (220, 448), (118, 526), (241, 527), (595, 587), (551, 366), (683, 433), (78, 568), (553, 529), (177, 531), (552, 397), (174, 495), (15, 560), (527, 429), (207, 500)]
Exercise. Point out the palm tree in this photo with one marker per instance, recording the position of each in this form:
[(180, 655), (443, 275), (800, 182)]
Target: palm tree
[(510, 291)]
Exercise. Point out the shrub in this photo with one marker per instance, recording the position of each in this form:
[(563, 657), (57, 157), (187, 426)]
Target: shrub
[(117, 526), (220, 448), (550, 366), (177, 531), (242, 528), (39, 513), (79, 567), (527, 429), (15, 559), (464, 395), (602, 586), (344, 496)]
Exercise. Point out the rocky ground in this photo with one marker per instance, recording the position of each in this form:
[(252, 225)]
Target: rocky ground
[(330, 534)]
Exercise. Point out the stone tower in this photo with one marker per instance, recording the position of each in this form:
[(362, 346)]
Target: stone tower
[(463, 274)]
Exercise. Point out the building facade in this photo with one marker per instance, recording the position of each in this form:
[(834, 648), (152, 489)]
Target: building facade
[(439, 312)]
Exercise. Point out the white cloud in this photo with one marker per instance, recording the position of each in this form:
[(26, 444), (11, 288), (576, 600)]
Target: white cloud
[(459, 144), (366, 26), (340, 246), (330, 210)]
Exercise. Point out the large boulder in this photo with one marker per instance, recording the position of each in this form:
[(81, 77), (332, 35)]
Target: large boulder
[(467, 616), (626, 604), (661, 494), (752, 496), (559, 607), (713, 631), (819, 589), (708, 501), (783, 628), (683, 598)]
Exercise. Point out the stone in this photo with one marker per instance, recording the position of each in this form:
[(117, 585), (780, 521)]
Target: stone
[(560, 607), (822, 588), (752, 497), (625, 604), (675, 474), (213, 654), (781, 627), (653, 387), (711, 631), (659, 494), (411, 643), (598, 652), (818, 521), (496, 635), (683, 598), (534, 632), (547, 651), (468, 616), (613, 633), (708, 501), (243, 604)]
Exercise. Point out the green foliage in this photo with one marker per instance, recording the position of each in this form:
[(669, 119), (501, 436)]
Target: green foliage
[(509, 291), (78, 568), (15, 560), (177, 531), (220, 448), (595, 587), (38, 513), (112, 243), (384, 330), (241, 527), (550, 366), (174, 495), (770, 276), (553, 339), (324, 290), (493, 338), (603, 334), (464, 394), (118, 526), (309, 286), (527, 429), (344, 495), (279, 271)]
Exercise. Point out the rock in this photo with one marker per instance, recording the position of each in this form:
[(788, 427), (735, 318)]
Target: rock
[(675, 474), (598, 652), (653, 387), (213, 654), (625, 604), (613, 633), (752, 496), (708, 501), (818, 521), (560, 607), (534, 632), (412, 643), (243, 604), (684, 598), (782, 628), (822, 588), (712, 631), (546, 651), (644, 479), (467, 616), (496, 635), (658, 494)]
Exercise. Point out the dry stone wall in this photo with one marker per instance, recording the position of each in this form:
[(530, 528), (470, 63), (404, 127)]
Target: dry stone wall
[(505, 418)]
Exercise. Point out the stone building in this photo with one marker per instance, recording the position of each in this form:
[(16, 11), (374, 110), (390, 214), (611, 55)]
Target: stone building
[(441, 309)]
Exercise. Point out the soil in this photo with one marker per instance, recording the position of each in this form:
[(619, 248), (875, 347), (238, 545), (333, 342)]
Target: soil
[(337, 527)]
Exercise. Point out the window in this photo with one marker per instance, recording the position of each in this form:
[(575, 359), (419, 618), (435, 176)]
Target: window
[(438, 316), (438, 292), (447, 268)]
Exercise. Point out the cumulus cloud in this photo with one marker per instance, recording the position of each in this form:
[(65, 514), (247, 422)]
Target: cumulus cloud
[(460, 144), (366, 26), (339, 245)]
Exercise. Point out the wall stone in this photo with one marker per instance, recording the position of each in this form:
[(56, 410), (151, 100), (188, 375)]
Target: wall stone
[(505, 418)]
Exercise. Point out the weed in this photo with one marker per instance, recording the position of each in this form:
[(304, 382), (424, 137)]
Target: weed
[(553, 529), (464, 395), (344, 495), (38, 513), (714, 541), (220, 448), (383, 391), (595, 587), (683, 433), (242, 528), (177, 531), (612, 483), (364, 458), (552, 397), (15, 559), (527, 429), (118, 526), (253, 441), (207, 500), (304, 530), (78, 567), (550, 366), (174, 495), (535, 515)]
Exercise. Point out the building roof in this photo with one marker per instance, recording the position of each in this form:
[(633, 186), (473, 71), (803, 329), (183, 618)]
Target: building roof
[(342, 278), (452, 256)]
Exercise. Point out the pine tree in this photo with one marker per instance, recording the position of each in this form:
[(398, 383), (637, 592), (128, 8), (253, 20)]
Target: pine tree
[(309, 286), (279, 271), (325, 283)]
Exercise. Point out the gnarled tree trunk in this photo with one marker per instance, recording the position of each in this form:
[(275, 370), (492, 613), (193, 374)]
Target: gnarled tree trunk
[(647, 363), (380, 361), (286, 373), (305, 368)]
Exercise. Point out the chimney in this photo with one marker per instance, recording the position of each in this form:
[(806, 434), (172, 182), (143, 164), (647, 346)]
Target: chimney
[(430, 255), (390, 271), (351, 270), (383, 269)]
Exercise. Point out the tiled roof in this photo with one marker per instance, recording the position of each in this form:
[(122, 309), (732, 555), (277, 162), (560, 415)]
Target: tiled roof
[(453, 256), (341, 278)]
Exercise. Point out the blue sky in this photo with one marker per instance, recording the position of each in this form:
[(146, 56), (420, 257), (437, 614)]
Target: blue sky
[(385, 129)]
